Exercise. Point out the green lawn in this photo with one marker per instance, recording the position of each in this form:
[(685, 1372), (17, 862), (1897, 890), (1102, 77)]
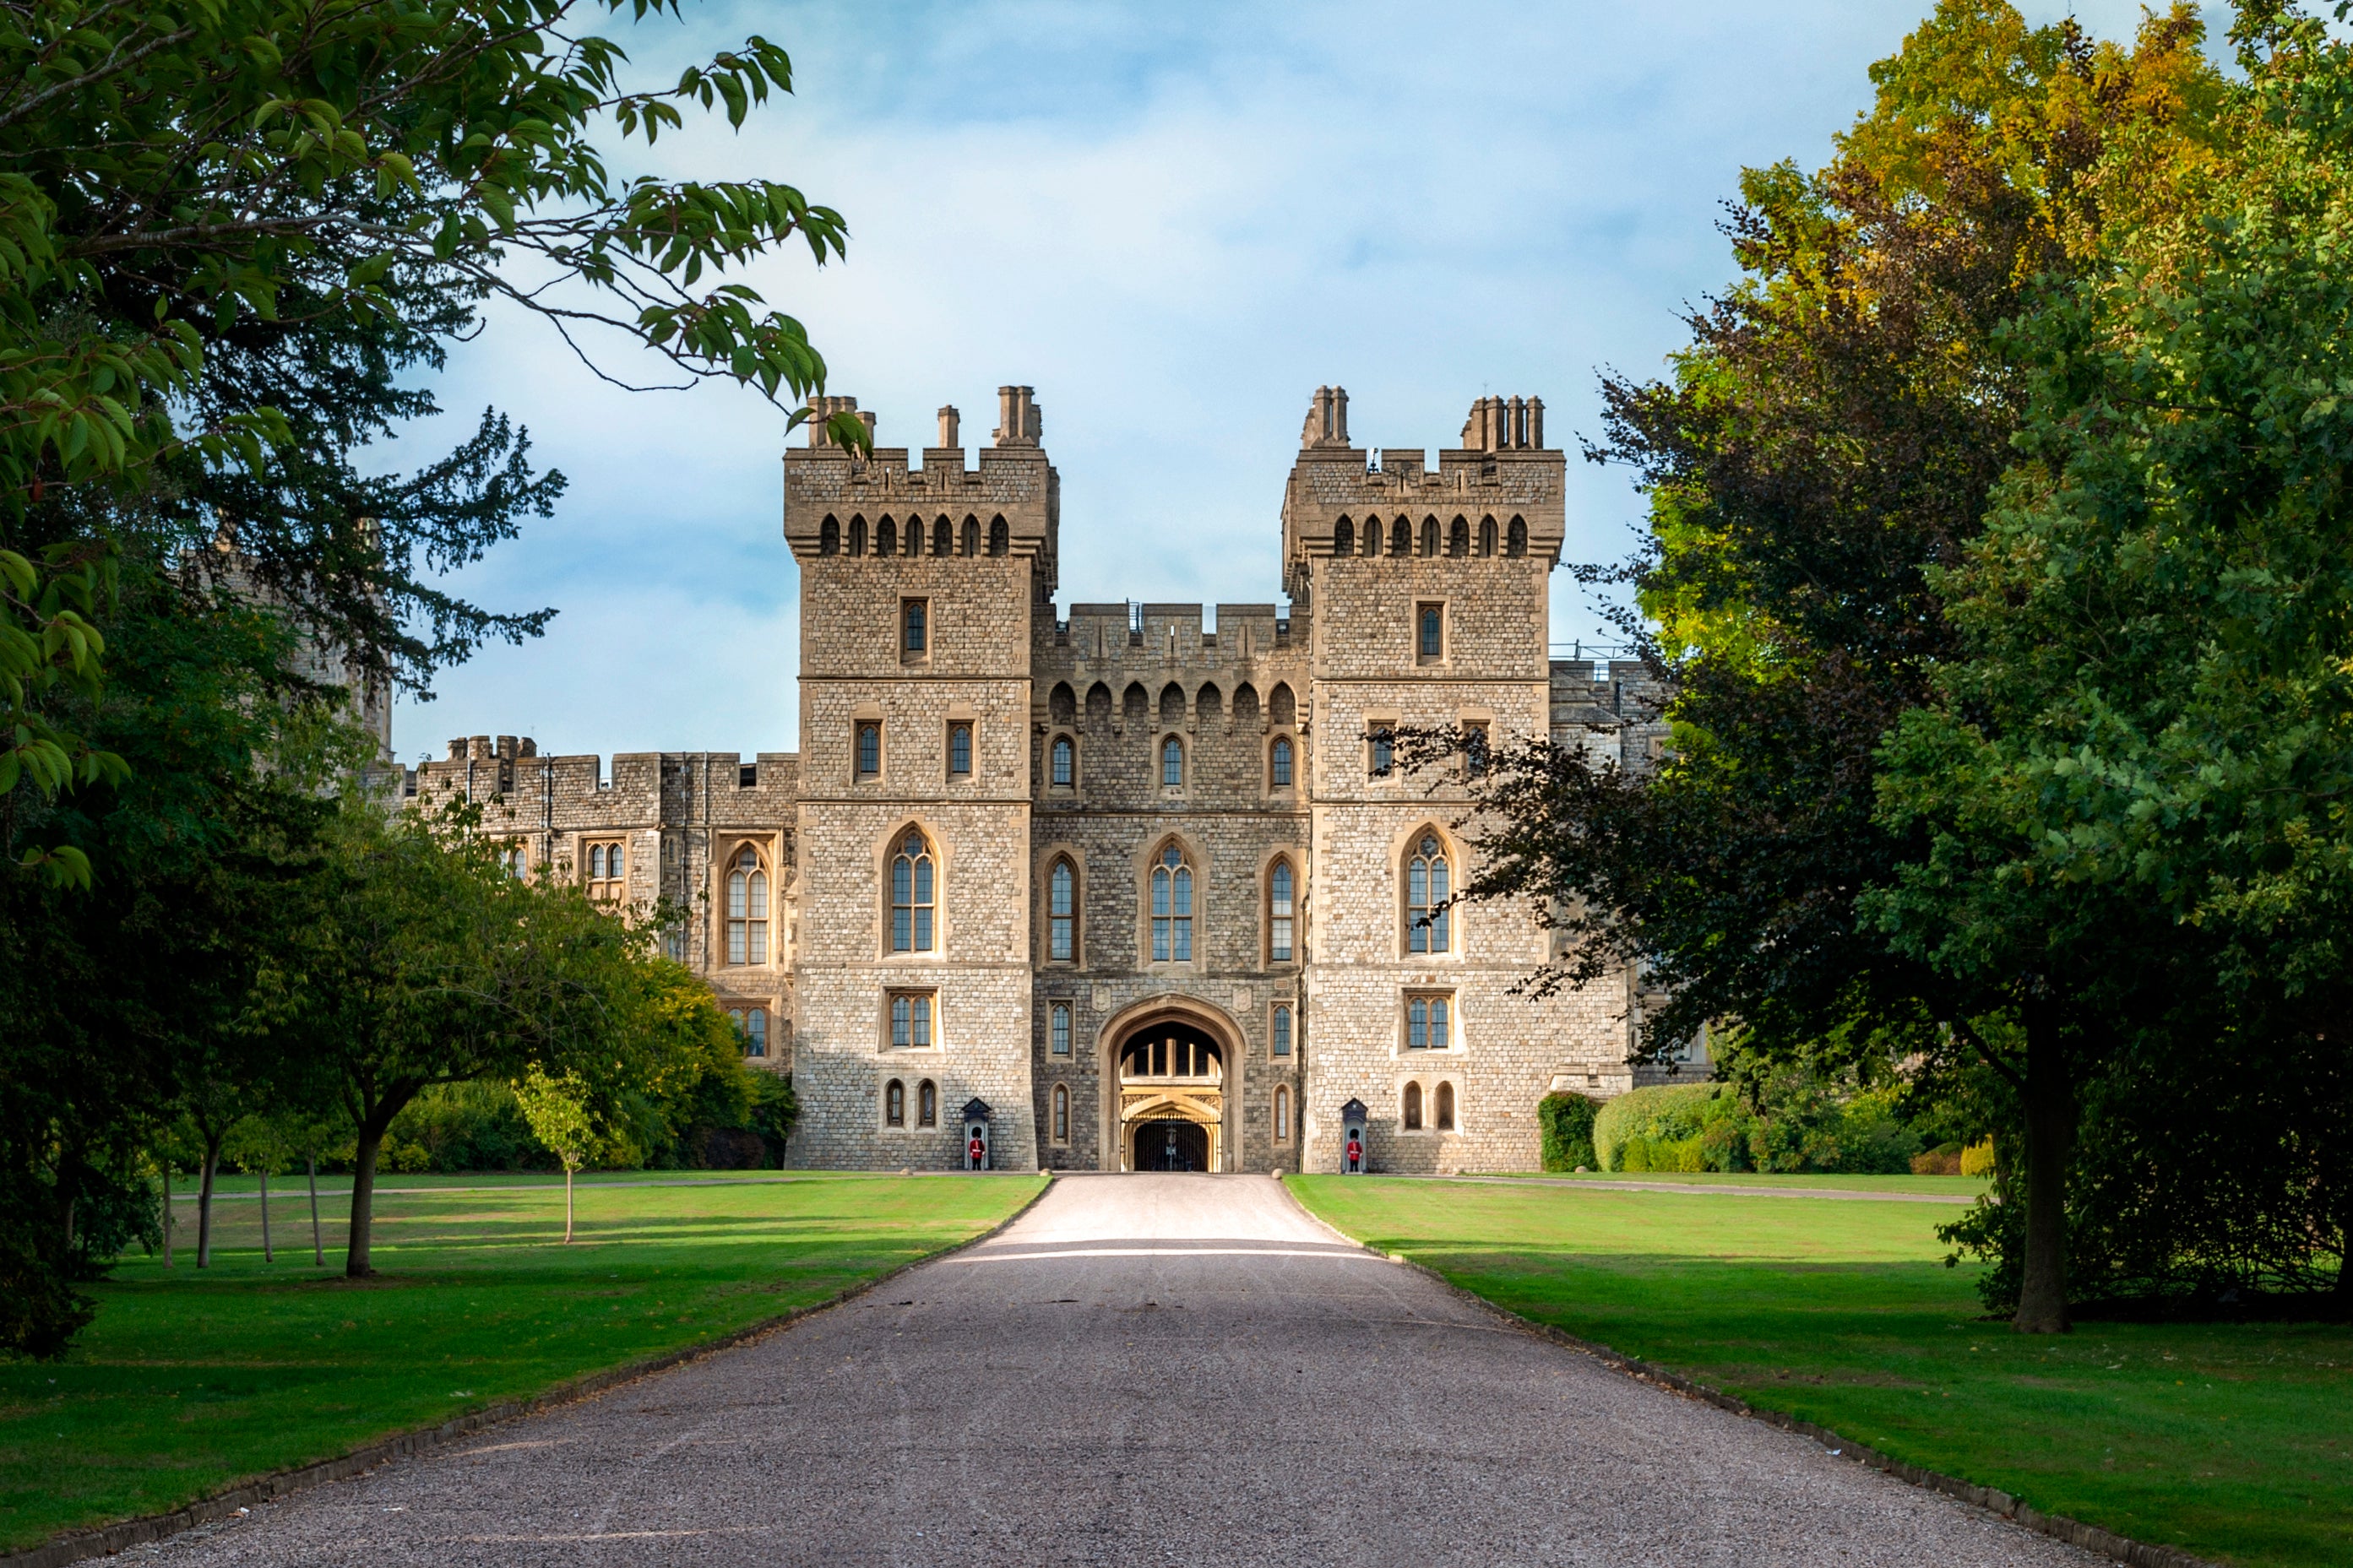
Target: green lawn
[(1961, 1189), (191, 1380), (2234, 1442)]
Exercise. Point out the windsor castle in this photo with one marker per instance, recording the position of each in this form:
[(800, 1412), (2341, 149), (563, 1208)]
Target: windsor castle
[(1148, 888)]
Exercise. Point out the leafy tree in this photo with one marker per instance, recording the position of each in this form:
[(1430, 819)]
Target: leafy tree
[(558, 1111), (227, 228), (1828, 439), (2133, 779)]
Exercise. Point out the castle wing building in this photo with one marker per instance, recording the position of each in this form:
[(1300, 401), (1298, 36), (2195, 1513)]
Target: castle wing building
[(1153, 890)]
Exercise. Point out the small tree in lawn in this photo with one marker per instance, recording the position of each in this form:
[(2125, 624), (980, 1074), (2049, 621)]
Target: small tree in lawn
[(557, 1110)]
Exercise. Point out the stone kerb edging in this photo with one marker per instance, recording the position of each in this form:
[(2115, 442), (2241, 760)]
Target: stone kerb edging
[(2058, 1527), (108, 1540)]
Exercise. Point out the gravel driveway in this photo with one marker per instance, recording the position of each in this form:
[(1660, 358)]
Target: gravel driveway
[(1143, 1369)]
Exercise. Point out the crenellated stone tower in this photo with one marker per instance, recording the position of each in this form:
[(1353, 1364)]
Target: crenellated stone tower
[(1143, 881)]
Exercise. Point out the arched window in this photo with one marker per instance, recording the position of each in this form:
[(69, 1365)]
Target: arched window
[(1098, 703), (913, 896), (1384, 750), (943, 538), (928, 1104), (972, 536), (858, 536), (596, 862), (828, 537), (999, 538), (1516, 538), (960, 749), (1413, 1108), (1278, 763), (1428, 1025), (915, 627), (1444, 1108), (894, 1104), (1172, 908), (1486, 536), (1279, 909), (1059, 1028), (1061, 912), (1172, 763), (1281, 1031), (1172, 704), (1430, 630), (870, 749), (755, 1032), (1062, 1113), (1063, 704), (1400, 538), (1282, 1113), (747, 911), (1458, 538), (1344, 538), (1065, 767), (1429, 536), (1134, 703), (1282, 708), (886, 537), (1428, 885)]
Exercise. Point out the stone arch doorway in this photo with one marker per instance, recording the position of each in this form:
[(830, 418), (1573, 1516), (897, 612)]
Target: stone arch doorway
[(1172, 1072)]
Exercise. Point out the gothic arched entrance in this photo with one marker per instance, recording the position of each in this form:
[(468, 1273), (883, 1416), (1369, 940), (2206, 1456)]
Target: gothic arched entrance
[(1168, 1091)]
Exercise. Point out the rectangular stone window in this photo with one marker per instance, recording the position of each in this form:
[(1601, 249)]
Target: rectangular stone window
[(1475, 744), (960, 749), (870, 748), (1060, 1028), (1281, 1031), (607, 867), (1380, 747), (912, 1020), (914, 628), (1429, 1020)]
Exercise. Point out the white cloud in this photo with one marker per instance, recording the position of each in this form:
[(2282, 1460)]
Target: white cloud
[(1174, 222)]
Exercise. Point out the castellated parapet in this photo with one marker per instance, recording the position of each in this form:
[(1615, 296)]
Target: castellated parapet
[(1134, 874)]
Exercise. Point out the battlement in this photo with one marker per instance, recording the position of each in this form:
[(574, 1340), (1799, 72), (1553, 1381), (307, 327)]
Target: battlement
[(1501, 494)]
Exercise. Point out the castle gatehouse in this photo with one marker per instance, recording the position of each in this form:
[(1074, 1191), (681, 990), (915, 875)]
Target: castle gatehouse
[(1143, 882)]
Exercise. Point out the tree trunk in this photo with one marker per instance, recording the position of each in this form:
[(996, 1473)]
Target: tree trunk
[(318, 1248), (355, 1255), (205, 1207), (567, 1206), (267, 1255), (167, 1212), (2050, 1142)]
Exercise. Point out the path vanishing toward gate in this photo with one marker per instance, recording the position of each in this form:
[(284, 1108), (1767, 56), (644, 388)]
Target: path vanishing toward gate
[(1142, 1369)]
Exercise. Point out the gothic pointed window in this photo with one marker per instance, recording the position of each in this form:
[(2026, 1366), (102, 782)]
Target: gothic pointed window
[(1428, 885), (1172, 763), (960, 750), (1281, 1030), (1172, 908), (943, 538), (911, 1020), (912, 895), (1058, 1029), (1279, 763), (755, 1032), (1344, 538), (870, 749), (1061, 912), (1413, 1108), (1065, 764), (1444, 1108), (747, 911), (914, 626), (1279, 913), (1281, 1114), (1062, 1113), (928, 1104), (1428, 1021), (894, 1104)]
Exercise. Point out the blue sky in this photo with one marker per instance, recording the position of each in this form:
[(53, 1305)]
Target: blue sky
[(1174, 221)]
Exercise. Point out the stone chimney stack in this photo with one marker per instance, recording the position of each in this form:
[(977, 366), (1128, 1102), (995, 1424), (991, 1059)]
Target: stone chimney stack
[(1327, 419), (949, 423), (1504, 425), (1019, 421), (824, 408)]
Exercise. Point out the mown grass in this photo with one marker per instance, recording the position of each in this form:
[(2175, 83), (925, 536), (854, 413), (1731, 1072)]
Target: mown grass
[(1960, 1189), (190, 1381), (2229, 1441)]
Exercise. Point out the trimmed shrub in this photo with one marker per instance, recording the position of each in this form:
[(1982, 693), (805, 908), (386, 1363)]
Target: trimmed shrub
[(1942, 1161), (1634, 1155), (1689, 1156), (1667, 1112), (1977, 1160), (1565, 1125)]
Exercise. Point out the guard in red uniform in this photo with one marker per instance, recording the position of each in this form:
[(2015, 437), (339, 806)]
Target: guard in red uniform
[(1356, 1154), (976, 1149)]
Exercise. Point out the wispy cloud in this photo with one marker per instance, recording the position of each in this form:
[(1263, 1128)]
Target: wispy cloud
[(1174, 221)]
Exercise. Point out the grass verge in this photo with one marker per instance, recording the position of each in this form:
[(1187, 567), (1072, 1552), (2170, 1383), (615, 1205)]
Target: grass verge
[(2230, 1441), (191, 1380)]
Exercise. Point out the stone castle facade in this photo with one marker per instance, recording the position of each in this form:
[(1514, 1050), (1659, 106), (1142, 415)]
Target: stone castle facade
[(1144, 886)]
